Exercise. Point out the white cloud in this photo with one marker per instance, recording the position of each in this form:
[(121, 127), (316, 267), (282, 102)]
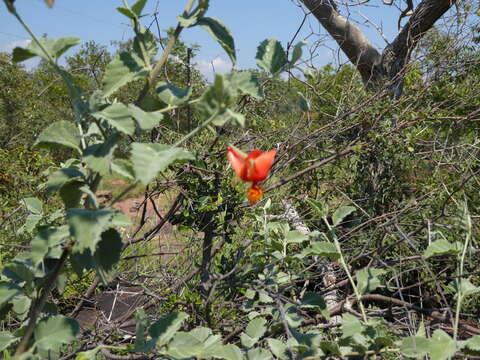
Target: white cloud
[(209, 68)]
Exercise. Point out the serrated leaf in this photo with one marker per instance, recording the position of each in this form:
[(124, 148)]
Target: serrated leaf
[(341, 213), (171, 94), (118, 116), (367, 279), (278, 348), (54, 331), (295, 237), (46, 240), (123, 167), (465, 287), (31, 223), (99, 156), (221, 34), (63, 133), (297, 52), (7, 292), (150, 159), (195, 14), (6, 339), (441, 247), (314, 300), (86, 226), (351, 325), (164, 329), (414, 346), (247, 83), (229, 352), (271, 57), (124, 68), (54, 48), (64, 176), (258, 354), (33, 205), (145, 46), (473, 343), (321, 248), (441, 346)]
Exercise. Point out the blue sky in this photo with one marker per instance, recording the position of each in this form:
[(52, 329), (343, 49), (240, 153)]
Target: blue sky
[(250, 21)]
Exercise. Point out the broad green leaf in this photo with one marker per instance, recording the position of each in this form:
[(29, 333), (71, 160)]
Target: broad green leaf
[(21, 305), (145, 120), (318, 207), (7, 292), (292, 315), (87, 226), (54, 331), (441, 247), (107, 254), (123, 167), (229, 116), (312, 299), (199, 343), (367, 279), (145, 46), (6, 339), (164, 329), (54, 48), (271, 57), (351, 325), (341, 213), (295, 237), (465, 287), (137, 8), (229, 352), (194, 15), (47, 239), (254, 331), (247, 83), (258, 354), (321, 248), (221, 34), (62, 177), (99, 156), (33, 205), (150, 159), (473, 343), (171, 94), (123, 69), (118, 116), (441, 346), (415, 347), (30, 224), (278, 348), (297, 52), (63, 133)]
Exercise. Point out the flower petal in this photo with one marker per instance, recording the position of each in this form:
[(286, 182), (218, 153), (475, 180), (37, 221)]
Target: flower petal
[(262, 165), (236, 160)]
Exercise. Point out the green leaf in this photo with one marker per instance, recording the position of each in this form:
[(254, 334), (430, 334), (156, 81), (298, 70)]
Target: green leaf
[(367, 279), (54, 48), (254, 331), (33, 205), (292, 315), (221, 34), (271, 57), (150, 159), (473, 343), (63, 133), (99, 156), (47, 239), (123, 167), (441, 247), (31, 223), (295, 237), (127, 12), (341, 213), (258, 354), (6, 339), (164, 329), (195, 14), (7, 292), (145, 120), (107, 254), (465, 287), (172, 95), (199, 343), (318, 207), (55, 331), (279, 349), (314, 300), (229, 352), (297, 52), (415, 346), (62, 177), (141, 321), (351, 326), (246, 82), (87, 226), (441, 346), (321, 248), (145, 46), (118, 116), (122, 69), (137, 8)]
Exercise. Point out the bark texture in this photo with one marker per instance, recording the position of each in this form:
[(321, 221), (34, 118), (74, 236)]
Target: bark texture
[(375, 68)]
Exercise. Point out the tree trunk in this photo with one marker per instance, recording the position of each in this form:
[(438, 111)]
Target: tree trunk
[(376, 69)]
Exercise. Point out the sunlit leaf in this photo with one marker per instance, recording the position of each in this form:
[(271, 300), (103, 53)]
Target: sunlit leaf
[(118, 116), (271, 57), (123, 69), (221, 34), (54, 48), (171, 94), (54, 331), (297, 52), (6, 339), (341, 213), (442, 247), (60, 133), (367, 279)]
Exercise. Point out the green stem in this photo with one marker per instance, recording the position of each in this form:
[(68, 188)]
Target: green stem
[(196, 130)]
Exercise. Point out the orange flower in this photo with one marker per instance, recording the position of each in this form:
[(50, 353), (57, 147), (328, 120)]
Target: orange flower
[(253, 168)]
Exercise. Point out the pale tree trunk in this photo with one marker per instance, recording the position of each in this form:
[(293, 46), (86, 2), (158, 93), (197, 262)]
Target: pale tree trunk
[(378, 69)]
